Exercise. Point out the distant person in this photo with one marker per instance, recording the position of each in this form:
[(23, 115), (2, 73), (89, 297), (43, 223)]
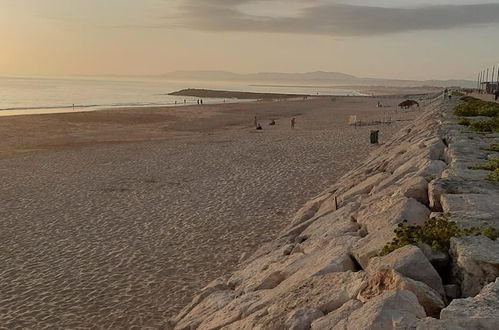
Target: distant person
[(258, 126), (185, 101), (175, 102), (496, 95), (198, 101), (74, 105), (201, 101), (255, 122), (293, 122)]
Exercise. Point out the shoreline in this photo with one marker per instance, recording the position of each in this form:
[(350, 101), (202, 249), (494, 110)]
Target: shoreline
[(221, 97)]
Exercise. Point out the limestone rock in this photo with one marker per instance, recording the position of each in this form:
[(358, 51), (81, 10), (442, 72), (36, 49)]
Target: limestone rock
[(472, 209), (476, 262), (381, 218), (308, 210), (439, 260), (365, 186), (339, 264), (416, 188), (480, 312), (217, 285), (205, 308), (411, 262), (271, 281), (302, 318), (452, 291), (434, 324), (389, 279), (396, 309), (456, 185), (332, 319)]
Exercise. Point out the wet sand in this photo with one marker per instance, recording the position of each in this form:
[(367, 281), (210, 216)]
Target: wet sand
[(113, 219)]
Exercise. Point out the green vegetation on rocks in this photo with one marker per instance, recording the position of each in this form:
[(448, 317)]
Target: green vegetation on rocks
[(486, 126), (473, 107), (435, 232), (464, 121), (492, 147), (457, 94), (491, 165)]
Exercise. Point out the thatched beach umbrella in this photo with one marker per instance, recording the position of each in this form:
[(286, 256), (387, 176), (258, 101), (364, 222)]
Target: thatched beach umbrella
[(408, 104)]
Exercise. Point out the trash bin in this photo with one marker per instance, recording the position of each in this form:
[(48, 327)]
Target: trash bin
[(374, 136)]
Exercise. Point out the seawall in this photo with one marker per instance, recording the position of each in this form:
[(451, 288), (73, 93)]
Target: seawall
[(326, 269)]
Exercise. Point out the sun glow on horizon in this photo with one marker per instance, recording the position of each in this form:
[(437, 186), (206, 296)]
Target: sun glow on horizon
[(63, 37)]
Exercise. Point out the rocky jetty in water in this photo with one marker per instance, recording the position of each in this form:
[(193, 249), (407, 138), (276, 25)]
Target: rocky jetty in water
[(331, 269)]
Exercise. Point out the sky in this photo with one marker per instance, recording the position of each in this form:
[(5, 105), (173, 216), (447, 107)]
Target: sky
[(407, 39)]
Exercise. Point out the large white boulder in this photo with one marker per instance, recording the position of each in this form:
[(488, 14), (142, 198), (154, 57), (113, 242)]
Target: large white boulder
[(411, 262), (480, 312), (475, 262), (338, 315), (396, 309), (389, 279)]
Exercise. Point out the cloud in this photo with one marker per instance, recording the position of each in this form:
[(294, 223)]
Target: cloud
[(335, 19)]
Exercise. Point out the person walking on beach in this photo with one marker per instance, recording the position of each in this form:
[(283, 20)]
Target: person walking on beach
[(293, 122)]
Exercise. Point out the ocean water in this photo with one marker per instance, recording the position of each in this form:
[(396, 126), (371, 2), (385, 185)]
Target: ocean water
[(25, 93)]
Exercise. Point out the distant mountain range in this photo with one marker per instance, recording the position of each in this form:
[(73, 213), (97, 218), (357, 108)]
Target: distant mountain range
[(310, 78)]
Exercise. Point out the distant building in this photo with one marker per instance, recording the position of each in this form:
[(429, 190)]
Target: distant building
[(488, 87)]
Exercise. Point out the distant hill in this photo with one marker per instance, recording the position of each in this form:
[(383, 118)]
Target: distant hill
[(317, 77)]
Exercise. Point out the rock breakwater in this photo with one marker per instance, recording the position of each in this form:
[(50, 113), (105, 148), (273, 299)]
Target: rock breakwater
[(325, 270)]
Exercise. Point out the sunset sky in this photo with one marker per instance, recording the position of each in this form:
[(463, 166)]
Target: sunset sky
[(413, 39)]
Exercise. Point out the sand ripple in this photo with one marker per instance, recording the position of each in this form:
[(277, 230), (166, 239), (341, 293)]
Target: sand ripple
[(116, 236)]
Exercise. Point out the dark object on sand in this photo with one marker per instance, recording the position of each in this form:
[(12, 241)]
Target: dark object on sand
[(496, 95), (258, 126), (408, 104), (374, 136), (272, 122)]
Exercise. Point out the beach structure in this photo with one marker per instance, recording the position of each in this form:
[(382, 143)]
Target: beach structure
[(352, 120), (407, 104), (489, 87)]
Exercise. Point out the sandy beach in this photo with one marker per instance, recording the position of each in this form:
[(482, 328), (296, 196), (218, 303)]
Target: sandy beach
[(114, 218)]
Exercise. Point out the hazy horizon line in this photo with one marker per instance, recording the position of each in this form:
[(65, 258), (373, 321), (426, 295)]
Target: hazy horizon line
[(160, 75)]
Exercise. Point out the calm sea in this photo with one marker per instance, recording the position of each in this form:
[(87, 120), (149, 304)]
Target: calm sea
[(22, 93)]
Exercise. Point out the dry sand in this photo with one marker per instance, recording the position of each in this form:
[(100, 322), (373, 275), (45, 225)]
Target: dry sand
[(119, 216)]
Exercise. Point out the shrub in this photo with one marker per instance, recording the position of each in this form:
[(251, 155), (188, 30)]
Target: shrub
[(464, 121), (493, 176), (491, 165), (435, 232), (492, 147), (486, 126), (469, 98), (475, 107)]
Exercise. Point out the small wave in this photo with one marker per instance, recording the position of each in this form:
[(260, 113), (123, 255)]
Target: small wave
[(109, 105)]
